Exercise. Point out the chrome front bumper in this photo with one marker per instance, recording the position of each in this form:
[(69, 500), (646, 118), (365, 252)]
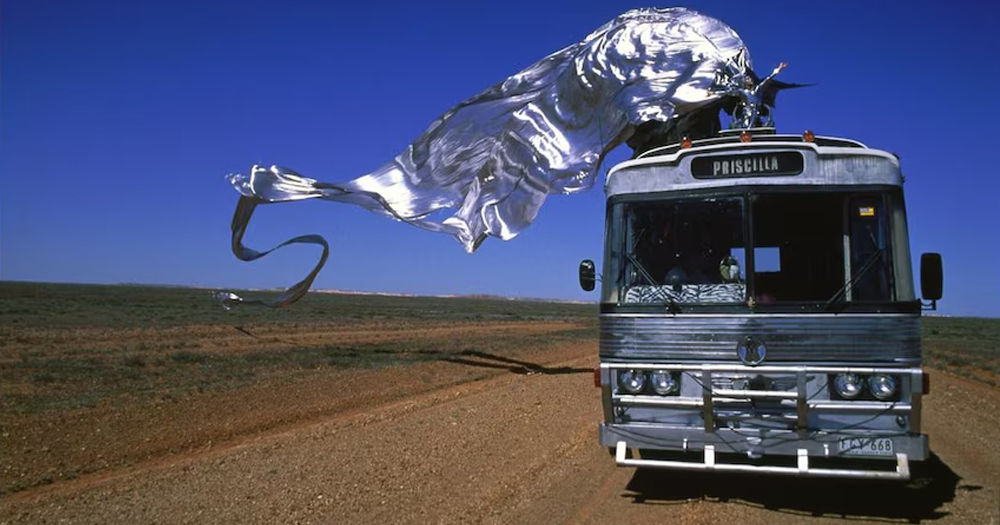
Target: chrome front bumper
[(713, 449), (710, 445)]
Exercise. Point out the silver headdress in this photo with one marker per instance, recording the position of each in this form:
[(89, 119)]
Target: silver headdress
[(494, 158)]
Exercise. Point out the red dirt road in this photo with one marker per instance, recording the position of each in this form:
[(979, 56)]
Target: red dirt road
[(504, 446)]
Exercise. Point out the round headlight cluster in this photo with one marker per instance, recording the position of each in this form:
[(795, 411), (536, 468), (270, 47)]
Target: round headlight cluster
[(851, 386), (848, 385), (632, 381), (882, 386), (663, 382)]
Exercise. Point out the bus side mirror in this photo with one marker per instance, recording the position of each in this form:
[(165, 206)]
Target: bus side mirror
[(587, 275), (931, 277)]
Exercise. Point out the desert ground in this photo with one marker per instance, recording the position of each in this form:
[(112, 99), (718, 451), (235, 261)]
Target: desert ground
[(153, 405)]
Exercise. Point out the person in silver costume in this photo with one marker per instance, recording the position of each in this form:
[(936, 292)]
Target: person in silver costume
[(494, 158)]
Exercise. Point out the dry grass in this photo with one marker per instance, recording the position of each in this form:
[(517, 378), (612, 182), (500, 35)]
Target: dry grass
[(965, 346), (71, 346), (99, 377)]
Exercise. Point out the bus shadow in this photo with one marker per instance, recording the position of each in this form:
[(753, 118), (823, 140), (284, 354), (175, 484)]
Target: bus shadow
[(516, 366), (932, 484)]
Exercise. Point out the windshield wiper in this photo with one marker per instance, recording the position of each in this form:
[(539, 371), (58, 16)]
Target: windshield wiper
[(667, 300), (868, 265)]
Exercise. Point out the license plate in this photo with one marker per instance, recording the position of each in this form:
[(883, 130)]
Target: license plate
[(866, 446)]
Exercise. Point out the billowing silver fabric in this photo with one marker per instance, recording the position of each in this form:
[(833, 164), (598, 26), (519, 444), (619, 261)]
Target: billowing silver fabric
[(494, 158)]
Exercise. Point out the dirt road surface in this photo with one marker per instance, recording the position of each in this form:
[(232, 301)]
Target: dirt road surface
[(495, 440)]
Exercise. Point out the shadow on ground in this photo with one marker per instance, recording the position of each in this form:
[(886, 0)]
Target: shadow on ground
[(932, 484), (485, 360)]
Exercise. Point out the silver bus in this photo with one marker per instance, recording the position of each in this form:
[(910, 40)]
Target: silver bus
[(758, 311)]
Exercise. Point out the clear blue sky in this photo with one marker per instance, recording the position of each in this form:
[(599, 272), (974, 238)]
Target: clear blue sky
[(119, 120)]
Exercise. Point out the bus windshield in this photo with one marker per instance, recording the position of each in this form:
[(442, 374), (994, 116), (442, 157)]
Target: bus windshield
[(754, 248)]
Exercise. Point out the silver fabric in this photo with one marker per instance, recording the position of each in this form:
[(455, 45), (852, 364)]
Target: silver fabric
[(750, 93), (494, 158)]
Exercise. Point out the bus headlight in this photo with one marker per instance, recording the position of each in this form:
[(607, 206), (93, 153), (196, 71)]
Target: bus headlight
[(631, 381), (848, 386), (882, 386), (664, 383)]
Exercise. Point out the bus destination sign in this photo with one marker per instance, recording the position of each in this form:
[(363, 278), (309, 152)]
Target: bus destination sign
[(747, 165)]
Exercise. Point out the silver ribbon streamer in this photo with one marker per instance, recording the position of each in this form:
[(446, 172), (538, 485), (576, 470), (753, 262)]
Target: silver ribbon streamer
[(495, 157), (244, 210)]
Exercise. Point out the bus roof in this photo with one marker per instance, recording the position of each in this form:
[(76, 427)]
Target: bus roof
[(766, 159)]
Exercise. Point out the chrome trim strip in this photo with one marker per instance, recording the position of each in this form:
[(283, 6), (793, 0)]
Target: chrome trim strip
[(789, 337), (757, 393), (763, 369), (830, 407), (801, 401), (763, 315), (707, 412)]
